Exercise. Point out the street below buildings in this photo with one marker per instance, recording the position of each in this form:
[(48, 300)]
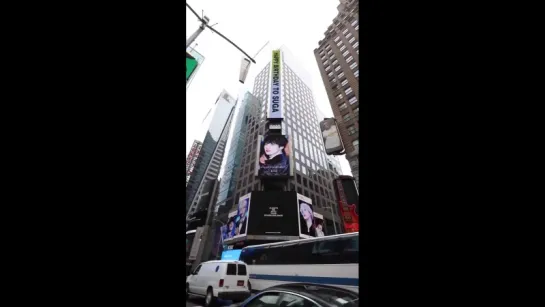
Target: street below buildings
[(196, 301)]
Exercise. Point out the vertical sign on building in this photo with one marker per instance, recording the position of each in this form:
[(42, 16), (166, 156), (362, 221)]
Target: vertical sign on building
[(275, 106), (192, 160), (347, 195)]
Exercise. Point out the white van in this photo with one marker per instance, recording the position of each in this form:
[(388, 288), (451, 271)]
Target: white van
[(224, 279)]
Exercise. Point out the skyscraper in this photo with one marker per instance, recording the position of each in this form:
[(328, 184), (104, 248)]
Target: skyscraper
[(337, 57), (313, 176), (248, 113), (208, 164)]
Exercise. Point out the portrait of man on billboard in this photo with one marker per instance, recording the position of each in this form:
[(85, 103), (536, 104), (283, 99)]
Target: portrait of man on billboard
[(274, 156), (331, 136), (306, 217), (228, 231), (241, 219), (319, 224)]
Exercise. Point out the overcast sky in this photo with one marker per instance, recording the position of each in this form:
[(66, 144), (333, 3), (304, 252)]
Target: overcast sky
[(298, 24)]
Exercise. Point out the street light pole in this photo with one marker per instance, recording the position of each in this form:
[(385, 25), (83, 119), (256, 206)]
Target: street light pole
[(204, 23), (201, 28)]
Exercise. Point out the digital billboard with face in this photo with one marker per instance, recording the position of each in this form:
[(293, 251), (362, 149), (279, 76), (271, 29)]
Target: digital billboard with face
[(319, 224), (330, 134), (274, 157), (307, 229)]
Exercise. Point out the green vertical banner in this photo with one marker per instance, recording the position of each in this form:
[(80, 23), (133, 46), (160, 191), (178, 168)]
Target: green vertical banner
[(190, 65)]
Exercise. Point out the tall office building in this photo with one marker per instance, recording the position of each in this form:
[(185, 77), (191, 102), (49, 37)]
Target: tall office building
[(313, 176), (337, 57), (247, 114), (208, 164)]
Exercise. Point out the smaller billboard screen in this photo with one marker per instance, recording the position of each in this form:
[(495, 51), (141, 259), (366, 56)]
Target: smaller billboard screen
[(228, 231), (233, 254), (348, 197), (274, 156), (237, 222), (274, 214), (319, 224), (330, 134), (307, 229)]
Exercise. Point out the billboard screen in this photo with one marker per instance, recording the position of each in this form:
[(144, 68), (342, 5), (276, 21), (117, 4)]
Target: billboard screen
[(307, 229), (228, 230), (237, 223), (319, 224), (274, 213), (233, 254), (348, 198), (331, 136), (274, 156), (275, 105)]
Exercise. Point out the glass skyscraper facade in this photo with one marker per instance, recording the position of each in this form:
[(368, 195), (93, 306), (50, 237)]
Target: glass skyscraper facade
[(208, 164), (247, 113)]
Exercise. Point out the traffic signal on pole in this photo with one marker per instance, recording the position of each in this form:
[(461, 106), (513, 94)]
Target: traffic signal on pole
[(190, 65)]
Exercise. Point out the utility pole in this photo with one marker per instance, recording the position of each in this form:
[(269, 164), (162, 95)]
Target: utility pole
[(204, 22)]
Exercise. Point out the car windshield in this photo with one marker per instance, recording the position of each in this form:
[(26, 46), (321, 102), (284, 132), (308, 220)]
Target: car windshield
[(336, 297)]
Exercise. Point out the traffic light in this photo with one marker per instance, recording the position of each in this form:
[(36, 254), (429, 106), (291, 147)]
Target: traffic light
[(190, 65)]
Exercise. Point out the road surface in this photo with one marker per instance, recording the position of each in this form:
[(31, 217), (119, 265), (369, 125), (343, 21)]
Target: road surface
[(195, 301)]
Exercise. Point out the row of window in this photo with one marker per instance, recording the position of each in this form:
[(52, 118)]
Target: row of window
[(345, 250)]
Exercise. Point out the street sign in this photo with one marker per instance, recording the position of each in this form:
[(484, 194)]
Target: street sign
[(190, 65)]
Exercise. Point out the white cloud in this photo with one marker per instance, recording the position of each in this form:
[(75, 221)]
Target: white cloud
[(298, 24)]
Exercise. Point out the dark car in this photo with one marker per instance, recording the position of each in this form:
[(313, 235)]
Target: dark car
[(302, 295)]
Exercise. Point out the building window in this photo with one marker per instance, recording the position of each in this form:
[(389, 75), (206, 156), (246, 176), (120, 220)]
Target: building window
[(348, 90), (345, 30), (339, 43), (352, 130), (347, 117), (341, 75), (328, 47), (349, 59), (356, 44), (353, 100), (343, 47), (337, 68), (329, 51), (348, 35), (345, 82), (327, 68), (356, 111), (357, 73), (345, 53), (335, 62), (340, 96), (355, 22), (356, 144), (357, 27), (353, 65), (330, 74), (352, 40), (336, 38), (343, 106)]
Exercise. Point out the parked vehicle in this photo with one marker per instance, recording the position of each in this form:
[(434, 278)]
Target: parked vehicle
[(303, 295), (224, 279)]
